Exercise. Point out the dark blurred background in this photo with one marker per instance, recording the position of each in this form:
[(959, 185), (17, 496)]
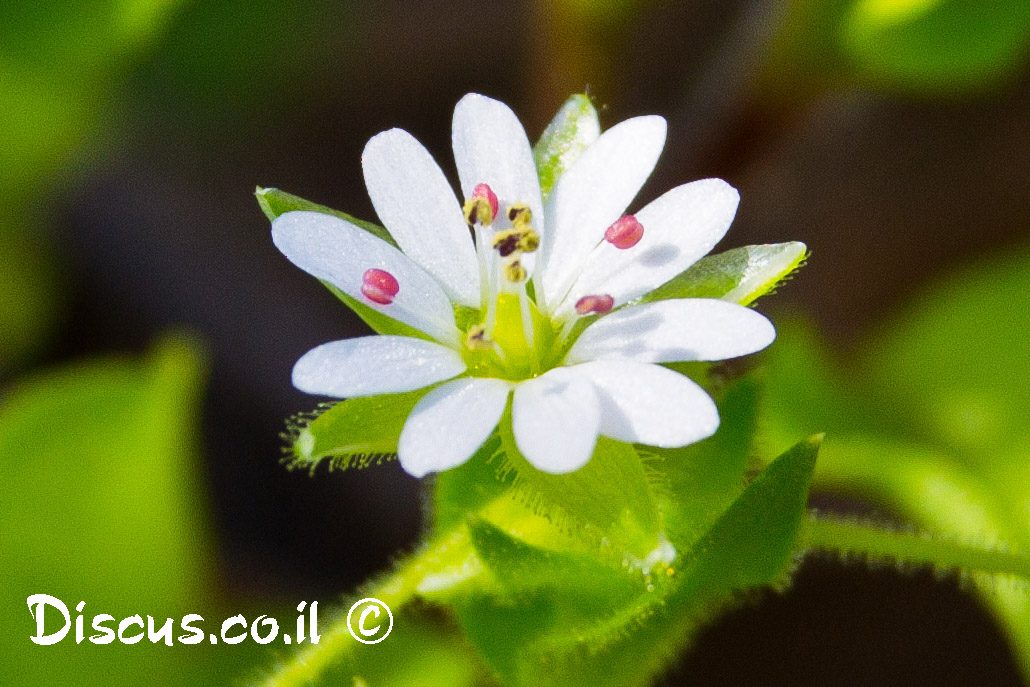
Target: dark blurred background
[(140, 217)]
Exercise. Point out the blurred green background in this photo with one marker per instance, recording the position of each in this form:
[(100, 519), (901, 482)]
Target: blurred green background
[(148, 326)]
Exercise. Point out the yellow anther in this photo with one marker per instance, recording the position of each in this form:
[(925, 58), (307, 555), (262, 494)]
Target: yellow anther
[(530, 241), (515, 272), (476, 339), (478, 211), (520, 215), (507, 242)]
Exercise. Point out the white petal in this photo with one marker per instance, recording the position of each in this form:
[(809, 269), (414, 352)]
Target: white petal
[(679, 228), (555, 419), (371, 365), (491, 147), (649, 404), (340, 253), (591, 195), (673, 330), (416, 203), (450, 423)]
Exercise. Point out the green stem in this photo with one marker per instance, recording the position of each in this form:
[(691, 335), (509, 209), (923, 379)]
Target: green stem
[(395, 590), (855, 538)]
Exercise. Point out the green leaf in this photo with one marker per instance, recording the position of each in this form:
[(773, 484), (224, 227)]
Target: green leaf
[(354, 433), (103, 503), (931, 420), (752, 545), (705, 478), (61, 67), (957, 360), (740, 275), (937, 45), (274, 202), (544, 595), (574, 128), (927, 47), (542, 636)]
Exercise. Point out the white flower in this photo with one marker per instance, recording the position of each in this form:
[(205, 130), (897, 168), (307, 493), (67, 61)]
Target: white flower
[(536, 266)]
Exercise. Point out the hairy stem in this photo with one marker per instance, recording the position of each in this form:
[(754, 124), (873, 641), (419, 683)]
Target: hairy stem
[(857, 538), (395, 589)]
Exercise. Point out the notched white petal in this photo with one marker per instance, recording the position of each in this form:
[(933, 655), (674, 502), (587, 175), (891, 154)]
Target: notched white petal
[(371, 365), (674, 330), (336, 251), (648, 404), (415, 202), (592, 194), (449, 424), (680, 227), (555, 419)]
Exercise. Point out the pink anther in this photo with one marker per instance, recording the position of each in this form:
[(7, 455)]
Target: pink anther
[(484, 191), (625, 232), (600, 304), (379, 286)]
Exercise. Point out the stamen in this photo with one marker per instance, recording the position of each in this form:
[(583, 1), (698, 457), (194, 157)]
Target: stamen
[(482, 207), (522, 239), (487, 279), (600, 304), (515, 272), (526, 314), (530, 241), (520, 215), (477, 340), (379, 286), (625, 232), (507, 242)]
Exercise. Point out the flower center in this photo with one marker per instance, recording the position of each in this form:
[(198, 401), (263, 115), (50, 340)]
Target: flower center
[(508, 339), (513, 339)]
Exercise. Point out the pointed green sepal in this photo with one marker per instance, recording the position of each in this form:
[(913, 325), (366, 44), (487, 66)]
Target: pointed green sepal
[(274, 203), (740, 275), (574, 128), (355, 433)]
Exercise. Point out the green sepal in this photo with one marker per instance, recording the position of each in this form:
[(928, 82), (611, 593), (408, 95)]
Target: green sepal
[(354, 433), (468, 488), (274, 203), (610, 501), (571, 131), (740, 275), (521, 568)]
